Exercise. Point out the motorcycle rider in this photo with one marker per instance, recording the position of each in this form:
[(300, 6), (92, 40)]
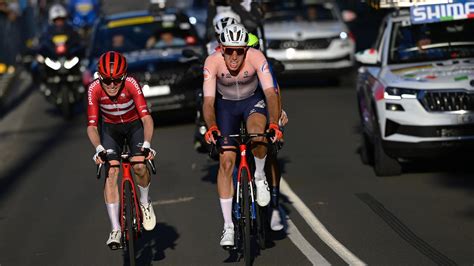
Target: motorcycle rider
[(58, 25)]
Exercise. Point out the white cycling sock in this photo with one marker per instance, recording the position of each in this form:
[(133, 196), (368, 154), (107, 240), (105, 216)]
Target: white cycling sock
[(144, 194), (113, 211), (226, 207), (259, 168)]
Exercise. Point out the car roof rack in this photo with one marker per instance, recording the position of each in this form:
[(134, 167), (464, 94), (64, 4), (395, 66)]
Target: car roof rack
[(404, 3)]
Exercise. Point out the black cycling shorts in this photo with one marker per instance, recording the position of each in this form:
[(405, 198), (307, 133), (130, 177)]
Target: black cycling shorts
[(230, 114), (113, 137)]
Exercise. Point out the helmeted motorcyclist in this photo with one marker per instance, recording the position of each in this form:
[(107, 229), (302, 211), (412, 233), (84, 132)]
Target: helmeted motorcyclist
[(59, 26)]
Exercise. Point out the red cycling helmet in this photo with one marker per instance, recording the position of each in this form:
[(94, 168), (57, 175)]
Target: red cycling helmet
[(112, 65)]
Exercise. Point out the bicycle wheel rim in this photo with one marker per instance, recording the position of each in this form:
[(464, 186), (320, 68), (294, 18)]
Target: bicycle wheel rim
[(129, 214), (246, 218)]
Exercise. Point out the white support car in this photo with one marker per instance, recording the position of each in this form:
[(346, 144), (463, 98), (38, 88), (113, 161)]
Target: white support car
[(309, 38), (416, 86)]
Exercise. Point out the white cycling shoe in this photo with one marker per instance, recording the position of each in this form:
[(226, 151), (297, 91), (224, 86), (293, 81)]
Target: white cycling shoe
[(275, 222), (227, 238), (263, 192), (149, 218), (114, 240)]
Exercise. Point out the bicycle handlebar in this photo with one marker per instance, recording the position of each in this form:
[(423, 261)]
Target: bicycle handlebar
[(244, 138), (103, 157)]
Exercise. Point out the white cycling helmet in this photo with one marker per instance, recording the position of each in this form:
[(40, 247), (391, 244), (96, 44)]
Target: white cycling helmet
[(223, 19), (234, 35), (57, 11)]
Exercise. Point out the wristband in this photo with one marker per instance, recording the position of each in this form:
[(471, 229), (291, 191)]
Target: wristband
[(146, 145), (99, 148)]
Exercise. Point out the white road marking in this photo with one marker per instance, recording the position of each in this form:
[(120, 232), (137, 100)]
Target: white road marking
[(301, 243), (318, 227), (172, 201)]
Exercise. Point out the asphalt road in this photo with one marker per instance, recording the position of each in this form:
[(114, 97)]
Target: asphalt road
[(52, 210)]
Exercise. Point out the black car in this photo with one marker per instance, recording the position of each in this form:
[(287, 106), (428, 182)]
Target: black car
[(153, 43)]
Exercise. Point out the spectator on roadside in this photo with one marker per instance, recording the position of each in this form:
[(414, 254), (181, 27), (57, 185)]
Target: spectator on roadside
[(3, 25), (10, 28)]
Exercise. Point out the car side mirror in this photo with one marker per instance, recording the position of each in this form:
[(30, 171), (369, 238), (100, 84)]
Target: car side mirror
[(367, 57), (188, 53)]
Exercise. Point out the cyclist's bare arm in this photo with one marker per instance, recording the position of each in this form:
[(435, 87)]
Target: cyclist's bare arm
[(148, 127), (269, 86), (93, 134), (272, 105), (209, 111), (209, 92)]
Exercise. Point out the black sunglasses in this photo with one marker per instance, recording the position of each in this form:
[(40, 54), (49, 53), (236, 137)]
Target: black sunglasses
[(108, 81), (230, 51)]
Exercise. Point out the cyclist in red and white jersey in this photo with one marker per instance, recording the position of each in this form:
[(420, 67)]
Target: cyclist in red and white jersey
[(238, 85), (119, 102)]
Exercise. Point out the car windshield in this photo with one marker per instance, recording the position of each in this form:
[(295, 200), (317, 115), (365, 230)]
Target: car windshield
[(305, 13), (431, 41), (142, 36)]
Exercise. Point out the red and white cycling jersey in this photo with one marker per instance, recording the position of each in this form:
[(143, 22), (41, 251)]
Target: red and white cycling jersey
[(129, 106)]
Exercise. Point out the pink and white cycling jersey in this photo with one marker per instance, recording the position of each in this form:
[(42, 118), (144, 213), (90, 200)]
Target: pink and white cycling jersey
[(255, 69)]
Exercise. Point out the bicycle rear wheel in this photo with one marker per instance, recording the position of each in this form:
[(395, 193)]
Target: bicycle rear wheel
[(246, 219), (129, 217)]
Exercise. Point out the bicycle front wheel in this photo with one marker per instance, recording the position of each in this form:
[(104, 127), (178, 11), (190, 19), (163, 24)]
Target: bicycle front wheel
[(246, 221), (262, 226), (129, 217)]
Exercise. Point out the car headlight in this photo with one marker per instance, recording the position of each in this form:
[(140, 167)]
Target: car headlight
[(343, 35), (395, 93), (55, 65), (71, 63)]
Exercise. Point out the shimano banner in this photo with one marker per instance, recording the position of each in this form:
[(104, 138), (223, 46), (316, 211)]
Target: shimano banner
[(458, 9)]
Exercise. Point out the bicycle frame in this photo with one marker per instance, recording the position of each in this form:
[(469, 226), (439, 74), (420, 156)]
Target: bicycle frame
[(243, 166), (127, 177)]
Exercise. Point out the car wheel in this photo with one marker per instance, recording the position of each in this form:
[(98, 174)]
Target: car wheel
[(384, 165), (366, 150)]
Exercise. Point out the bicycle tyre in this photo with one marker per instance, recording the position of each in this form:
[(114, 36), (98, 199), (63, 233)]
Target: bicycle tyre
[(246, 221), (129, 215), (262, 226)]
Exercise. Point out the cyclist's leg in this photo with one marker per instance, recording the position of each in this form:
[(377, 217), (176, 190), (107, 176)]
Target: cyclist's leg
[(273, 168), (228, 122), (111, 140), (135, 140), (256, 117), (135, 137)]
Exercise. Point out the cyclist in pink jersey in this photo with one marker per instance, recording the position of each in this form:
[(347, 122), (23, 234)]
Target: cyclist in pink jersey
[(124, 113), (238, 85)]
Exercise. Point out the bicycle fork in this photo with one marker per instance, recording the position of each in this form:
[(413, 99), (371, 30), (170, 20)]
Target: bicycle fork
[(127, 177), (244, 167)]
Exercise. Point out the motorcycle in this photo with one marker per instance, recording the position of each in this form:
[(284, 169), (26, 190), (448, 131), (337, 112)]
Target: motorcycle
[(59, 75)]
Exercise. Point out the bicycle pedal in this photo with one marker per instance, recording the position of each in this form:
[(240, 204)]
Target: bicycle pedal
[(229, 247)]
